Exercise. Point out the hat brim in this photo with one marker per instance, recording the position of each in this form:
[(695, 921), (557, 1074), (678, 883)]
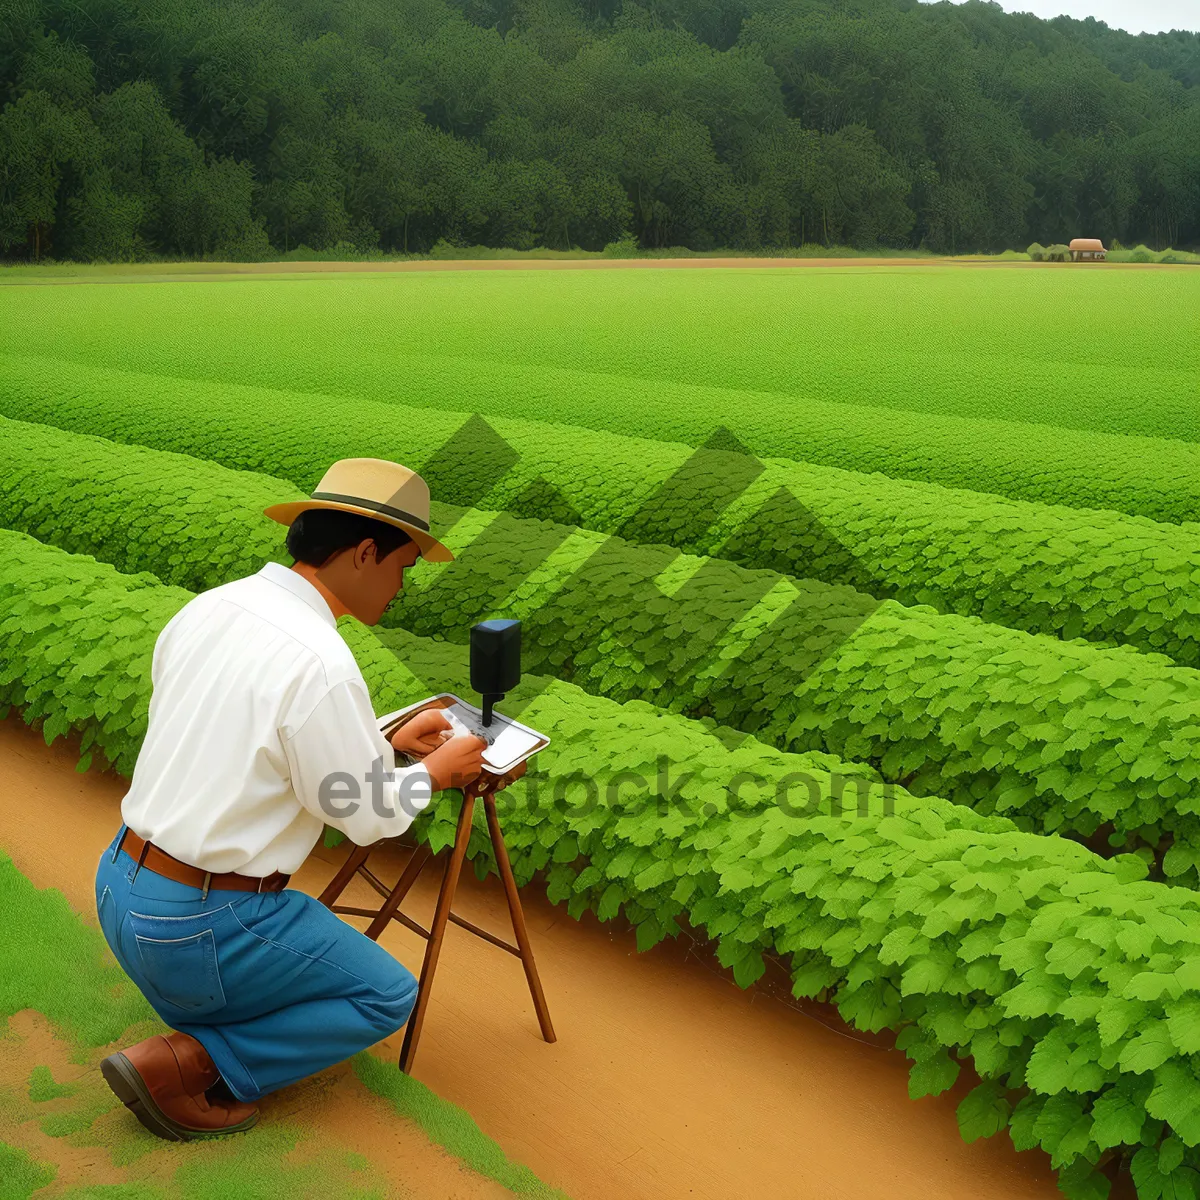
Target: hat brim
[(431, 549)]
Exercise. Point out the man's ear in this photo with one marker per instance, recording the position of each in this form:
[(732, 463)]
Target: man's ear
[(366, 551)]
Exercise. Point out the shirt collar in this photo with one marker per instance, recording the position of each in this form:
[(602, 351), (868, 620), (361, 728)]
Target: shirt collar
[(289, 580)]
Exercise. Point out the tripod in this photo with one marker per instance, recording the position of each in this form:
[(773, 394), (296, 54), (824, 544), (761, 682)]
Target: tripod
[(443, 914)]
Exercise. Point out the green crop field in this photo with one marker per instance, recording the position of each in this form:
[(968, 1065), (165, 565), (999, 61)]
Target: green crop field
[(1085, 350), (957, 596)]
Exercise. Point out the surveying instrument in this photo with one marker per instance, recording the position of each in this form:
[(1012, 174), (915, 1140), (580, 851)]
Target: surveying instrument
[(495, 671)]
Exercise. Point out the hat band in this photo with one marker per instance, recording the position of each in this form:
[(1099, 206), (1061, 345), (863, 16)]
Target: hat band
[(385, 510)]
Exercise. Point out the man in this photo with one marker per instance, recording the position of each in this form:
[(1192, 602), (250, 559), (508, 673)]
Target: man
[(257, 703)]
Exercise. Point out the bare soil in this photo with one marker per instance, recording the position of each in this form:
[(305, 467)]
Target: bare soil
[(666, 1080)]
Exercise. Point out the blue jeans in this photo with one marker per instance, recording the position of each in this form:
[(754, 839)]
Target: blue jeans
[(273, 985)]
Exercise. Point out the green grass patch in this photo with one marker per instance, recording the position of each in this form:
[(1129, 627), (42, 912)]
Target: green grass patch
[(85, 995), (42, 1086), (82, 1116), (449, 1127), (92, 1003), (255, 1167), (20, 1175)]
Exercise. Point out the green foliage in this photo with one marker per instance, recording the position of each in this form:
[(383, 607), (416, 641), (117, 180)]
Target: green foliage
[(736, 123), (1142, 254), (1041, 568), (1054, 734), (450, 1127), (176, 517), (625, 246), (947, 403), (1053, 970), (86, 674)]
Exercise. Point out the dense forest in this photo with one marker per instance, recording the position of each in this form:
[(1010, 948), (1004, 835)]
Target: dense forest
[(238, 128)]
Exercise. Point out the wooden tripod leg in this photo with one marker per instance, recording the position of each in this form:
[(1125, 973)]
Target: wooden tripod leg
[(420, 856), (437, 930), (518, 917), (337, 885)]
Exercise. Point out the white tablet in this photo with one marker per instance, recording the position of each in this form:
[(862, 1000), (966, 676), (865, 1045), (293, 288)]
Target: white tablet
[(509, 742)]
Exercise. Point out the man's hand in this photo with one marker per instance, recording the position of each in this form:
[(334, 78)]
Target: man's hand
[(456, 762), (422, 734), (487, 782)]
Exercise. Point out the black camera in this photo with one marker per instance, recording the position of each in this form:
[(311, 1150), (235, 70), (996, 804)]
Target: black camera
[(495, 661)]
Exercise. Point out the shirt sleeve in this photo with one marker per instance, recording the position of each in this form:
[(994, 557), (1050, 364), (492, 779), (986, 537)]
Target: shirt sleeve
[(344, 770)]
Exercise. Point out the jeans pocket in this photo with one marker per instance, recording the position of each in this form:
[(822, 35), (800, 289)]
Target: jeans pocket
[(180, 967)]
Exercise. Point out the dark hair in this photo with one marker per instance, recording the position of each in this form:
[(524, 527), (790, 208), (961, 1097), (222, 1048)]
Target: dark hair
[(317, 534)]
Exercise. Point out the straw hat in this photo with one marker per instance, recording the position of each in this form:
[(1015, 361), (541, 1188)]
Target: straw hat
[(373, 487)]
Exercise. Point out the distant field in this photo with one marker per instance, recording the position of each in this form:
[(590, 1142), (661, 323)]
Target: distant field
[(1084, 348)]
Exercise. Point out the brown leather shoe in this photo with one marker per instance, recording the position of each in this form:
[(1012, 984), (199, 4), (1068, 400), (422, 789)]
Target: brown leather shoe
[(162, 1081)]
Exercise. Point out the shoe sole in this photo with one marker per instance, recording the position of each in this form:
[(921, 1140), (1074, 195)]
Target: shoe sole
[(129, 1087)]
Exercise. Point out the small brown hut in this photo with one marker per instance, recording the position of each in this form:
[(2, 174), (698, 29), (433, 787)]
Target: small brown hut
[(1087, 250)]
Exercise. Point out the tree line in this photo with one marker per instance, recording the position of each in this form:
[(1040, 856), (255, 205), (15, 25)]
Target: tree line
[(242, 128)]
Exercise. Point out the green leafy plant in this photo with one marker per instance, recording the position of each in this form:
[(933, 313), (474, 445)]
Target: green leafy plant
[(1057, 735), (1005, 721), (1045, 569), (1065, 978), (411, 418)]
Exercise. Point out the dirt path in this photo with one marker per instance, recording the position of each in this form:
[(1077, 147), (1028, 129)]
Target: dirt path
[(666, 1081), (338, 1114)]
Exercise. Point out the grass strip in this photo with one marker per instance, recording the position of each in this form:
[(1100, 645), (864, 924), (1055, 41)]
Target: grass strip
[(77, 987), (449, 1127)]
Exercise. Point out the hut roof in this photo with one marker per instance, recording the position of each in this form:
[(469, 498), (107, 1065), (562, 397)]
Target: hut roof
[(1086, 244)]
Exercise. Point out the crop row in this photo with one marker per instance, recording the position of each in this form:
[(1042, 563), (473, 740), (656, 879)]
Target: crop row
[(1065, 737), (1052, 457), (1067, 979), (1041, 568)]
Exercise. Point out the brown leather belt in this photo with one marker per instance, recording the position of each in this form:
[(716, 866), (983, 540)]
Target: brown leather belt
[(160, 862)]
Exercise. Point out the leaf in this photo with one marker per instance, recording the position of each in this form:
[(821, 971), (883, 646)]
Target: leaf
[(1148, 1050), (1176, 1100), (1058, 1117), (748, 969), (1170, 1155), (1072, 1144), (1080, 1181), (1033, 998), (932, 1075), (983, 1112), (1183, 1024), (1049, 1070), (1117, 1118)]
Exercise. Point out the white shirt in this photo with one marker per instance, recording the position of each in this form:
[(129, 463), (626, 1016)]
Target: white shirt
[(261, 732)]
